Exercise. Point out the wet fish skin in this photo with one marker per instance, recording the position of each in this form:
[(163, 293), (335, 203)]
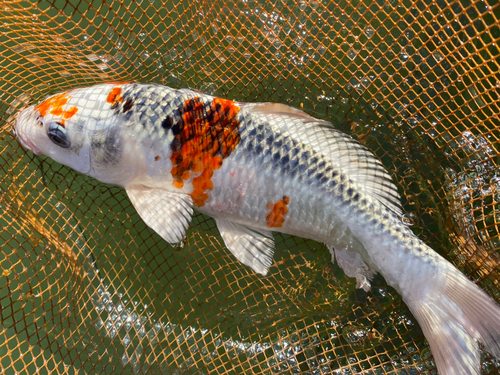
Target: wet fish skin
[(257, 168)]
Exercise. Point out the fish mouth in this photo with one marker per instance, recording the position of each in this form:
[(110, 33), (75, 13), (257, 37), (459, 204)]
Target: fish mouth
[(23, 122)]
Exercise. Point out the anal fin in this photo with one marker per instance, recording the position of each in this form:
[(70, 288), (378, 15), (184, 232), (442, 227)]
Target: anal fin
[(353, 266), (253, 248)]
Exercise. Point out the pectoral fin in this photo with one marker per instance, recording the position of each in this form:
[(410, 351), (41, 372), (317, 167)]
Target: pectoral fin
[(253, 248), (168, 214)]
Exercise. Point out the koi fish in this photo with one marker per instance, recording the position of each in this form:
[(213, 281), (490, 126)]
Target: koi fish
[(258, 168)]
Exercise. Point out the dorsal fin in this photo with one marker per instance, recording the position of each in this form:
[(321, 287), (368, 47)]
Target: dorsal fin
[(355, 159)]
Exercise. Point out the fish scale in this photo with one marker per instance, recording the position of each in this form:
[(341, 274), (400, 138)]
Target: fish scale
[(258, 168)]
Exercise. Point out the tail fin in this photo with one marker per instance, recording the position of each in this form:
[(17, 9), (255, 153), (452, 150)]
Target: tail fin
[(454, 319)]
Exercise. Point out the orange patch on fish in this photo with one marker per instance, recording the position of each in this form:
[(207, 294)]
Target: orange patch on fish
[(114, 95), (275, 218), (206, 134), (55, 106)]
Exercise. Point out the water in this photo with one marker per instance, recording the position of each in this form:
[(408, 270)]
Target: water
[(196, 309)]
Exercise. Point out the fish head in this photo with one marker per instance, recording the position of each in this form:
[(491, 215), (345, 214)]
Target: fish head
[(77, 128)]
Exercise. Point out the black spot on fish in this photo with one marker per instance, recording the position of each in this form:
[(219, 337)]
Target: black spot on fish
[(355, 198), (175, 145), (115, 104), (252, 132), (249, 147), (167, 123), (258, 148), (285, 159), (189, 106), (270, 139), (210, 116), (127, 106), (177, 159), (335, 173), (178, 128), (350, 191)]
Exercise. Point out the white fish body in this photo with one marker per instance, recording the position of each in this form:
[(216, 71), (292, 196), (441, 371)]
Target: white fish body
[(258, 168)]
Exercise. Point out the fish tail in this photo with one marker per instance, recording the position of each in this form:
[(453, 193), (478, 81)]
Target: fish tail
[(454, 318)]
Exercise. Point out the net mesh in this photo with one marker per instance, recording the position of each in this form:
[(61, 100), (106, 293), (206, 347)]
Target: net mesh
[(86, 287)]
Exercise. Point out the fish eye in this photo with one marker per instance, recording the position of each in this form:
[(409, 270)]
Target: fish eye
[(57, 134)]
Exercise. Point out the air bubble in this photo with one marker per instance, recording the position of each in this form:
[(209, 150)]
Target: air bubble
[(119, 43), (438, 56), (355, 335), (110, 34), (118, 56), (477, 98), (351, 54)]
